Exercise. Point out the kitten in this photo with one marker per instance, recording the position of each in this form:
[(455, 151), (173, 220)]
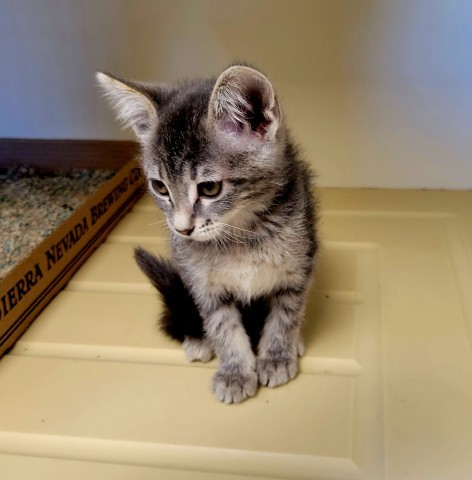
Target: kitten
[(221, 165)]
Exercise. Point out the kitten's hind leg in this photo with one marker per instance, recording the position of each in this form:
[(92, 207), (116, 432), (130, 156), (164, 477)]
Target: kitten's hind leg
[(198, 349), (281, 343)]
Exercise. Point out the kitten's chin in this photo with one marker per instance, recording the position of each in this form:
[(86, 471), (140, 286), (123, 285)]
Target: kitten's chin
[(213, 235), (196, 237), (203, 237)]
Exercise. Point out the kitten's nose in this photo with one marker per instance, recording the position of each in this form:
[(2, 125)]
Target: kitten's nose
[(187, 231)]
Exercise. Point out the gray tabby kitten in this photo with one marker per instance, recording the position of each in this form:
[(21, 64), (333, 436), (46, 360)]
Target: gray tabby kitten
[(221, 165)]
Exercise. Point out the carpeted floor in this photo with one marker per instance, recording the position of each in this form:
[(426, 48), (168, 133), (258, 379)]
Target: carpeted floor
[(33, 203)]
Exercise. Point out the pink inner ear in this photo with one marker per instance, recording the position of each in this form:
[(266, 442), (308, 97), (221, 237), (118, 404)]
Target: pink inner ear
[(244, 112), (254, 124), (231, 127), (261, 129), (241, 131)]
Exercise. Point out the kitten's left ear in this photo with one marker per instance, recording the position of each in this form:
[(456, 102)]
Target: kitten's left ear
[(131, 103), (243, 107)]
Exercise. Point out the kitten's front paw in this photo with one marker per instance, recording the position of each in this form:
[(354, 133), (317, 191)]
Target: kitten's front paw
[(273, 372), (230, 387), (197, 349)]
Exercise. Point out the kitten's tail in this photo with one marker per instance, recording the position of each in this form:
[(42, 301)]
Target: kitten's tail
[(180, 317)]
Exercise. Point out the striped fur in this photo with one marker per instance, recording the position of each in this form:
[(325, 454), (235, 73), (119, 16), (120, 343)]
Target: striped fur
[(242, 260)]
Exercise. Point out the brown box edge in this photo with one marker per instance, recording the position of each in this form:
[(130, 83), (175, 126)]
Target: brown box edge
[(113, 200)]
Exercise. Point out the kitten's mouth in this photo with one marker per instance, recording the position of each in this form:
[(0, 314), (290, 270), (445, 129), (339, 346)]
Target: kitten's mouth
[(185, 233), (192, 235), (207, 232)]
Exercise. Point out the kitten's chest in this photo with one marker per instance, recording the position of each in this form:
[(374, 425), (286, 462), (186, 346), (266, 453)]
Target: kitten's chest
[(247, 277)]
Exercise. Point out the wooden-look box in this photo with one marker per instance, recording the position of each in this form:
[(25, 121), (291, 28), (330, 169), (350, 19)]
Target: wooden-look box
[(32, 283)]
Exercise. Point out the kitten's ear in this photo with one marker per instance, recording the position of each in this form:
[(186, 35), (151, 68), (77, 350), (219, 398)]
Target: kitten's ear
[(131, 103), (243, 106)]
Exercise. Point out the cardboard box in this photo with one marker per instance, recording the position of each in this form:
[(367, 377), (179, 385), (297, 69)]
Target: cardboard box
[(32, 284)]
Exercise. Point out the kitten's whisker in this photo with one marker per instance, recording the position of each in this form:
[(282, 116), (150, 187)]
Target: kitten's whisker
[(237, 228), (242, 236), (222, 242), (243, 239), (218, 244), (235, 235), (229, 236)]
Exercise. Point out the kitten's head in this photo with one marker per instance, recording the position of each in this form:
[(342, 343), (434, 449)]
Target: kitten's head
[(210, 150)]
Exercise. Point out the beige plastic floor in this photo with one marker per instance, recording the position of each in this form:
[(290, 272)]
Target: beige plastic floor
[(94, 391)]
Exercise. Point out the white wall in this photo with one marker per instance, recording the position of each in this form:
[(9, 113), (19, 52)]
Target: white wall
[(379, 93)]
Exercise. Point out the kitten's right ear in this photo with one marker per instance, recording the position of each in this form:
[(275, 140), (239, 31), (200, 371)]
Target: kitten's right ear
[(131, 103), (243, 108)]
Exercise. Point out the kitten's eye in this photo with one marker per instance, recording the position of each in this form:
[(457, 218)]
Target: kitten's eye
[(159, 187), (209, 189)]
